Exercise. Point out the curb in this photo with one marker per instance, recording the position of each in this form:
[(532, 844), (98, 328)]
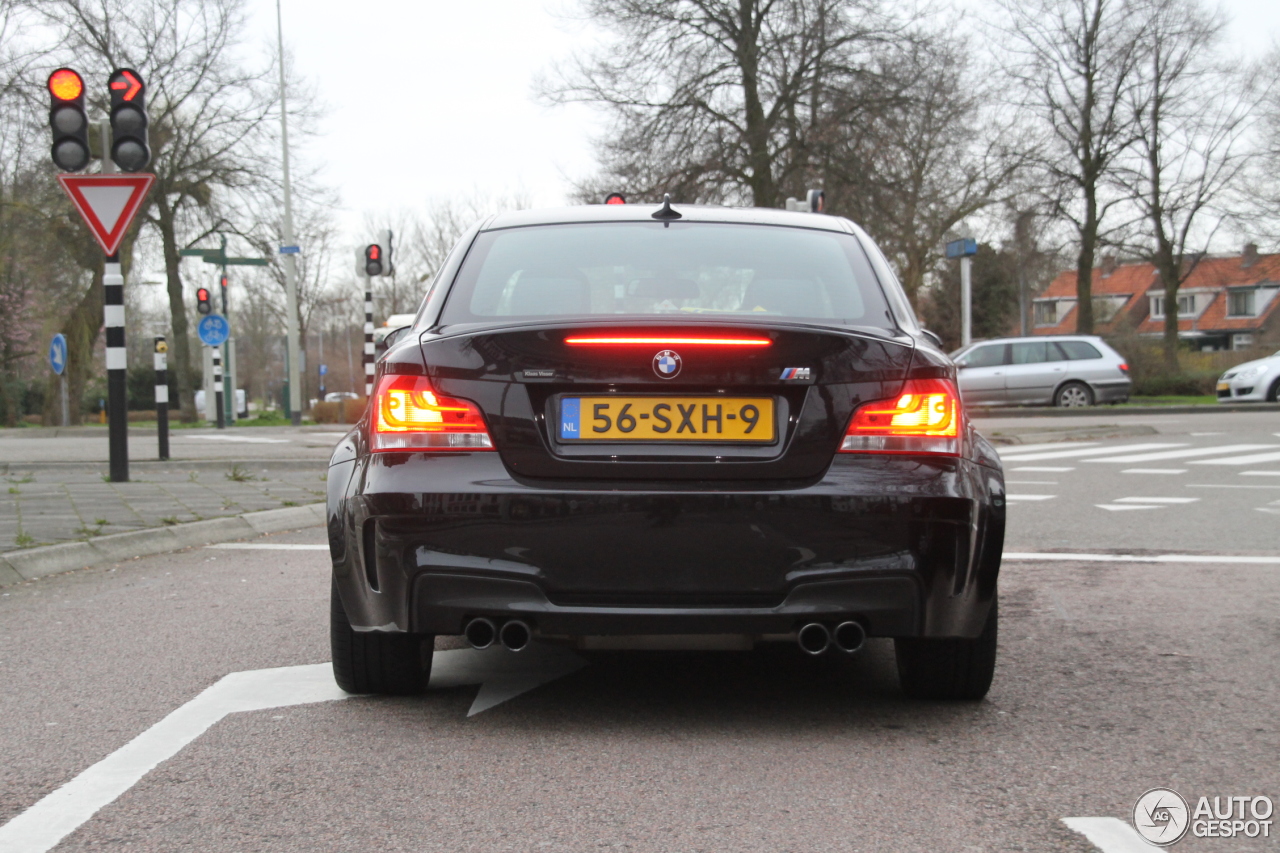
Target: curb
[(33, 563), (1035, 435), (316, 463), (979, 412)]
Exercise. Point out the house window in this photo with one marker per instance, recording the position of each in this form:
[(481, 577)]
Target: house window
[(1105, 308), (1242, 303), (1241, 341), (1046, 313), (1186, 306)]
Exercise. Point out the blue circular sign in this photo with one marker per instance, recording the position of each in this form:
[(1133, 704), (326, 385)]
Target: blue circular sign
[(213, 330), (58, 353)]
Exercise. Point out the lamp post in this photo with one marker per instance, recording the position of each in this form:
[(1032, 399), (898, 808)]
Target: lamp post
[(289, 249)]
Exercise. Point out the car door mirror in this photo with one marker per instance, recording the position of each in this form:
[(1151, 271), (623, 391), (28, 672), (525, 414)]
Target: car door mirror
[(937, 341), (390, 340)]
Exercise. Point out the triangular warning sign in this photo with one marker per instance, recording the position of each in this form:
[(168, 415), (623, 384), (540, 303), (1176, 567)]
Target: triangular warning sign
[(107, 203)]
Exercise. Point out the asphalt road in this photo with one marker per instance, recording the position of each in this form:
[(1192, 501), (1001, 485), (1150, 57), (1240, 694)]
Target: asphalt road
[(1113, 678), (39, 446)]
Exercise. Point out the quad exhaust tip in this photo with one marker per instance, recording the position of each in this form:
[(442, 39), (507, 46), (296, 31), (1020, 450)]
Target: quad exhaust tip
[(480, 633), (814, 638), (515, 635)]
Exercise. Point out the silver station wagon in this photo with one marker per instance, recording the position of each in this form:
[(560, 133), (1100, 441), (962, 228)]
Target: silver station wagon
[(1059, 370)]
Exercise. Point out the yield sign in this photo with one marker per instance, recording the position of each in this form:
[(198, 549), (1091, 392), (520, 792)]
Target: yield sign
[(107, 203)]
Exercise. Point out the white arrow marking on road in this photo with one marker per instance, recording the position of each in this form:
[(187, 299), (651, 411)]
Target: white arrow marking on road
[(501, 674), (1109, 834)]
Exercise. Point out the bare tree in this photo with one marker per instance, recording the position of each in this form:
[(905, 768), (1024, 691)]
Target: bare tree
[(1075, 66), (1194, 116), (721, 100)]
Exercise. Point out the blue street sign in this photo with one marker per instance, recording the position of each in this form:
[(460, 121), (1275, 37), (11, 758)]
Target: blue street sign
[(324, 368), (960, 248), (213, 330), (58, 353), (290, 250)]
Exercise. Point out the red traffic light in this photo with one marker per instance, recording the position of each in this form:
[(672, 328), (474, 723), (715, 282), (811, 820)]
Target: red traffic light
[(125, 82), (615, 198), (202, 300), (373, 260), (65, 85)]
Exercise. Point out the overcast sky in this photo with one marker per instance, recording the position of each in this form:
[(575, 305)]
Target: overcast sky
[(458, 77)]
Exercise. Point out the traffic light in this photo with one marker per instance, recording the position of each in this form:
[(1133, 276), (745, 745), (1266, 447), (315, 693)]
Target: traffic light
[(372, 260), (817, 200), (202, 300), (377, 256), (68, 121), (615, 198), (129, 147)]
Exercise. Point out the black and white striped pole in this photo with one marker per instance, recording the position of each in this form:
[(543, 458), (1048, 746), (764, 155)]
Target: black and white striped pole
[(117, 370), (162, 395), (368, 337), (217, 384)]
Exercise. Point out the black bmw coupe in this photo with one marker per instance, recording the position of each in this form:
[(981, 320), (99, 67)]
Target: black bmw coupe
[(675, 426)]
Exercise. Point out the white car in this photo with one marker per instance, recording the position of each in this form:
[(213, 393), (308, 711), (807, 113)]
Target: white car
[(1251, 382)]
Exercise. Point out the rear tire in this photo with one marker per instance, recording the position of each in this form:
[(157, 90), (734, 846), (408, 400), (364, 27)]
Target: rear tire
[(949, 668), (374, 661), (1073, 395), (1273, 395)]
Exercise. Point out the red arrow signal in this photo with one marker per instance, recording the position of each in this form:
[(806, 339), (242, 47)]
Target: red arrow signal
[(130, 82)]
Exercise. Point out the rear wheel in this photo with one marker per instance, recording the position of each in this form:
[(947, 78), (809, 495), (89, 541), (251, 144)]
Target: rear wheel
[(948, 668), (374, 661), (1273, 396), (1073, 395)]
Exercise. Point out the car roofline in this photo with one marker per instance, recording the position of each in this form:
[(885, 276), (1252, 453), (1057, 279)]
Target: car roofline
[(591, 213)]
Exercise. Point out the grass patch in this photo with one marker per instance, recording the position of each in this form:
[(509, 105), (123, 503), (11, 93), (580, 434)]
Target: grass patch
[(239, 475), (1173, 400), (289, 503), (24, 539), (169, 519)]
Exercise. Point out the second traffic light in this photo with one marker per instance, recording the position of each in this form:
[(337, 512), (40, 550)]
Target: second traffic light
[(129, 148), (202, 300)]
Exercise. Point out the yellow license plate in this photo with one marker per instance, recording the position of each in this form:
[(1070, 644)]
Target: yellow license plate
[(1223, 386), (666, 419)]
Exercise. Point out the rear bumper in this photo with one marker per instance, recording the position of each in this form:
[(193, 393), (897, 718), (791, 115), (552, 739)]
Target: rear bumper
[(907, 546), (1112, 390)]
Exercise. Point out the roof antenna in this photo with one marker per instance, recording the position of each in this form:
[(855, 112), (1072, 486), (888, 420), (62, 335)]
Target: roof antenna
[(665, 212)]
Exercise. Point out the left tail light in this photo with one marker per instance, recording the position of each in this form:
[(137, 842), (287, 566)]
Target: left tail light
[(924, 418), (409, 415)]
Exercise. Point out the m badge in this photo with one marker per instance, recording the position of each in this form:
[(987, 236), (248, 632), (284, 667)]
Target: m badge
[(795, 373)]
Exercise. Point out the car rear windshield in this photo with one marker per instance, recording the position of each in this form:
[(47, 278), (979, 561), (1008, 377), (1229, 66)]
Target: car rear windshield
[(683, 269)]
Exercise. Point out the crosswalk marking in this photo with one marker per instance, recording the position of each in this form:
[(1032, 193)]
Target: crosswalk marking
[(1156, 500), (1029, 497), (1093, 451), (1122, 507), (1154, 471), (1031, 448), (1242, 473), (1048, 470), (1241, 460), (1181, 454)]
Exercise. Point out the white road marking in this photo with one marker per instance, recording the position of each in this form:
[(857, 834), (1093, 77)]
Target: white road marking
[(1122, 507), (1045, 470), (1094, 451), (1208, 433), (1031, 482), (1029, 497), (1252, 459), (501, 674), (1079, 557), (1011, 449), (239, 439), (1226, 486), (266, 546), (1154, 471), (1109, 834), (1259, 473), (1156, 500), (1179, 454)]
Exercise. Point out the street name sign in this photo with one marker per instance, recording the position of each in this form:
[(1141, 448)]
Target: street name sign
[(58, 353), (961, 248), (107, 203)]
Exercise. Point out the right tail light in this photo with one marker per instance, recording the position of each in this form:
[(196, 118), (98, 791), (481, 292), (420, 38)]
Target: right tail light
[(924, 418)]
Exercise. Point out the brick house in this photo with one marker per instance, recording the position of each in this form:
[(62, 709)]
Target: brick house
[(1226, 303)]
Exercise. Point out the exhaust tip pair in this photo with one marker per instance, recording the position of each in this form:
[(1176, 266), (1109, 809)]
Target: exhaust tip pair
[(815, 638), (481, 633)]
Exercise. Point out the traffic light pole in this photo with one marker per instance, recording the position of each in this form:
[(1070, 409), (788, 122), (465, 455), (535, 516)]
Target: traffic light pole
[(162, 395), (368, 337), (117, 370), (290, 263)]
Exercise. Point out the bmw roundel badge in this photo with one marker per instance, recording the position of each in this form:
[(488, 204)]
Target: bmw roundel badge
[(666, 364)]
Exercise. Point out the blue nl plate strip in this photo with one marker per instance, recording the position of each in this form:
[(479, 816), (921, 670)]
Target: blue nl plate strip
[(570, 418)]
